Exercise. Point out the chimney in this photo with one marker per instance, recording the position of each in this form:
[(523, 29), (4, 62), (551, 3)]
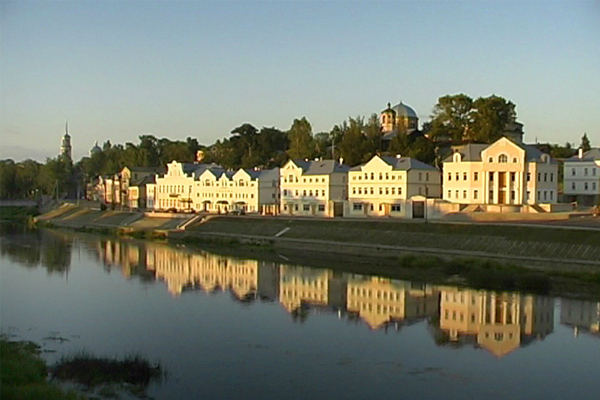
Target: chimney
[(580, 153)]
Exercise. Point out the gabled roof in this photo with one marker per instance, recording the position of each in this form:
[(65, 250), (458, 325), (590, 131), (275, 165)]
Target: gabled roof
[(472, 152), (321, 167), (144, 181), (406, 163), (592, 154)]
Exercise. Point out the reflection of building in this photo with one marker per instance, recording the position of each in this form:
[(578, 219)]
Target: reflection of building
[(499, 322), (503, 172), (379, 301), (247, 279), (384, 185), (582, 315), (303, 286)]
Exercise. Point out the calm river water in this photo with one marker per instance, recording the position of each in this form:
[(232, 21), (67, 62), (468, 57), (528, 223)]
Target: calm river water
[(230, 328)]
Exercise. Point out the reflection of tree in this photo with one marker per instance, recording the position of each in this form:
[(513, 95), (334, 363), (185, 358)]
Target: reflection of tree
[(56, 252), (20, 245)]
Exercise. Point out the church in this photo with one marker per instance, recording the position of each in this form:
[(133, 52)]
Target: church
[(400, 118)]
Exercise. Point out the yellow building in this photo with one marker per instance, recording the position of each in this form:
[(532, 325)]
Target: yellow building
[(380, 301), (314, 188), (384, 186), (502, 173), (303, 286), (498, 322)]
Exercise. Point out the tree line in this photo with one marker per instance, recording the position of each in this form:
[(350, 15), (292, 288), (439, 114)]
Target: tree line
[(455, 119)]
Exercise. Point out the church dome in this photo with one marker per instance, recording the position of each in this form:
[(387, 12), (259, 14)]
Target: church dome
[(402, 110), (96, 149)]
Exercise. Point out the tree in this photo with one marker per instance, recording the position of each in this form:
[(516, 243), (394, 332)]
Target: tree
[(451, 117), (300, 139), (353, 144), (585, 143), (489, 118), (459, 118), (373, 142)]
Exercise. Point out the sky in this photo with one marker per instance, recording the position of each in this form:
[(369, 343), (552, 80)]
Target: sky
[(178, 69)]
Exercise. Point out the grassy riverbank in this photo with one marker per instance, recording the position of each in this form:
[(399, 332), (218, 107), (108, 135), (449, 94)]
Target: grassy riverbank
[(23, 374), (17, 214)]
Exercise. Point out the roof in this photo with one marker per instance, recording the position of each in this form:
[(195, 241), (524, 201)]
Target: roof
[(143, 181), (400, 164), (321, 167), (404, 110), (590, 155), (157, 170), (472, 152)]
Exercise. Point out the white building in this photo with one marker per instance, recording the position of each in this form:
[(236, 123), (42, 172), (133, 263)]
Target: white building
[(582, 177), (384, 185), (210, 188), (314, 188), (244, 190), (502, 173)]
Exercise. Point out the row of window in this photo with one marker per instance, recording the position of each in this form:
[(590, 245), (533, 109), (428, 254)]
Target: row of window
[(305, 207), (227, 195), (385, 176), (546, 194), (586, 186), (546, 177), (371, 190), (309, 193), (240, 183), (585, 171), (371, 207), (294, 179)]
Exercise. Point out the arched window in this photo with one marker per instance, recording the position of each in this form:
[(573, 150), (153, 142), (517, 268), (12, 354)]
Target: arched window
[(515, 160), (491, 159), (503, 158)]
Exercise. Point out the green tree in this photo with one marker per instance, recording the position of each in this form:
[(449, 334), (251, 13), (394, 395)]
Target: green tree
[(8, 179), (353, 144), (490, 117), (452, 116), (585, 143), (373, 134), (300, 139)]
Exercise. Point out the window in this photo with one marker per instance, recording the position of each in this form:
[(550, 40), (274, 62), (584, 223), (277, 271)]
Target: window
[(353, 190), (427, 177), (573, 171), (512, 195), (380, 190), (593, 185), (551, 177), (491, 196), (512, 176), (464, 176), (476, 176), (457, 176), (464, 194), (528, 176), (306, 207), (387, 191), (491, 159), (585, 171), (503, 158), (357, 206), (296, 207), (515, 160), (321, 207), (372, 176), (475, 194), (323, 192), (420, 176), (372, 207), (399, 190), (371, 190), (491, 176), (457, 194), (528, 195), (449, 176), (573, 185), (585, 186), (449, 194), (393, 190), (594, 171), (396, 207), (539, 176), (285, 192), (545, 177)]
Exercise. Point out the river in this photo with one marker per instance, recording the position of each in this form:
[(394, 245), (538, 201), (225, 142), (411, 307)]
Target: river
[(237, 328)]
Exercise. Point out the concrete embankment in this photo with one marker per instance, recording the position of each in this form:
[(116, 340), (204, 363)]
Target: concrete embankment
[(574, 250), (548, 248)]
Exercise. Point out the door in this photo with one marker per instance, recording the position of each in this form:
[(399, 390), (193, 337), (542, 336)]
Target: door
[(418, 209)]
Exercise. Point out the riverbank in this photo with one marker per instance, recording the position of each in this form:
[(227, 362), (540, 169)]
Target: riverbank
[(566, 251)]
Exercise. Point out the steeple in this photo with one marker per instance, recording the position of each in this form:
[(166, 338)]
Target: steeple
[(65, 144)]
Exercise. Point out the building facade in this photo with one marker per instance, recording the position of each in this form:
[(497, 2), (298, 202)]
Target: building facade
[(582, 178), (384, 185), (210, 188), (502, 173), (314, 188)]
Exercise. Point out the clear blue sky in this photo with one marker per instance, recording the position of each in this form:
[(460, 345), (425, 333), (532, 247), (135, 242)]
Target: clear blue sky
[(118, 69)]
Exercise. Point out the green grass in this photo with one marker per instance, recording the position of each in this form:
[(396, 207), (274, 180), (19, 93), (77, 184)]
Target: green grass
[(23, 374)]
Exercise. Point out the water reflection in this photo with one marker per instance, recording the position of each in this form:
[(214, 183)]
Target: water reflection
[(31, 249), (500, 322)]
